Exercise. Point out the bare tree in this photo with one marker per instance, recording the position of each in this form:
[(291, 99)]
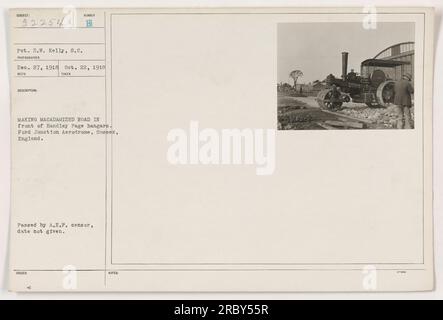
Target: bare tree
[(295, 75)]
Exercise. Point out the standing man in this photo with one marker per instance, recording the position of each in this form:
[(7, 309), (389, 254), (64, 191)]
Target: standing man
[(335, 101), (403, 90)]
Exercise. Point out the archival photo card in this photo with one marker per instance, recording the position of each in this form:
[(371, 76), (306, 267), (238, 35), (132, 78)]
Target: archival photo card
[(229, 149)]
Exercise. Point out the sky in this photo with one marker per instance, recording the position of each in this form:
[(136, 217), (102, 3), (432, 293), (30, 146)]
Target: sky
[(315, 48)]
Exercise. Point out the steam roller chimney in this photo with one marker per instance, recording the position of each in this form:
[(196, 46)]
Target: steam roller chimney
[(344, 64)]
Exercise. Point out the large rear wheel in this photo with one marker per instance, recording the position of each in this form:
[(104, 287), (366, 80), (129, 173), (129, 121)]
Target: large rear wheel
[(385, 93)]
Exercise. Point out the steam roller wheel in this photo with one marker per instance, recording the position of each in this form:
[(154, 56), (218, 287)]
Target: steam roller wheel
[(385, 93), (324, 100)]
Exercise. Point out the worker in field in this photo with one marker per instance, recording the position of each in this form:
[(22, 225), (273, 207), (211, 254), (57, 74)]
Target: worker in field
[(403, 101)]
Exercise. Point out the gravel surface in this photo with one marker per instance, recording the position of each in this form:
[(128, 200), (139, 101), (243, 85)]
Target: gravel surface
[(295, 113), (380, 117)]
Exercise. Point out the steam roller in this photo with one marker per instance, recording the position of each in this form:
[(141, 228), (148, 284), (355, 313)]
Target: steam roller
[(373, 86)]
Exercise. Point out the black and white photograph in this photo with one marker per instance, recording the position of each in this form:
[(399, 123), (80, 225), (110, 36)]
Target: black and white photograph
[(345, 76)]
